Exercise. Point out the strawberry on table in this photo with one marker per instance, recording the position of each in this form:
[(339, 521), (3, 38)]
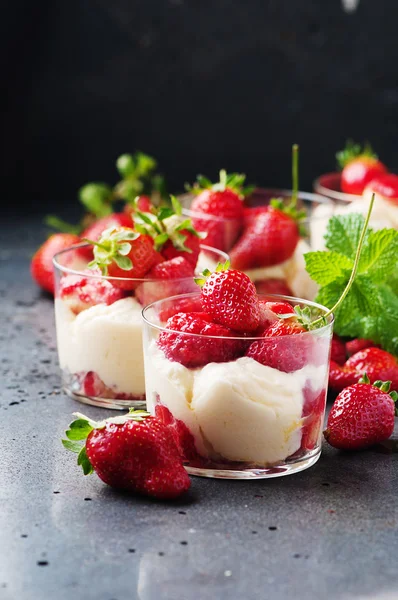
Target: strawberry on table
[(358, 344), (377, 363), (193, 351), (230, 297), (124, 253), (134, 452), (41, 266), (359, 166), (362, 415), (221, 205)]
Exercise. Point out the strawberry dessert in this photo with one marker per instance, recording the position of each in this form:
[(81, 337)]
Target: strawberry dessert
[(263, 230), (240, 380), (98, 304)]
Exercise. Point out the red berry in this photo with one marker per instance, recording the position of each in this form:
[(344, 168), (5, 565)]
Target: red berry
[(83, 291), (173, 277), (280, 350), (273, 286), (222, 217), (313, 412), (231, 298), (354, 346), (194, 350), (41, 266), (135, 453), (269, 240), (182, 436), (338, 350), (361, 416), (359, 172), (142, 203), (192, 242), (376, 363), (385, 185)]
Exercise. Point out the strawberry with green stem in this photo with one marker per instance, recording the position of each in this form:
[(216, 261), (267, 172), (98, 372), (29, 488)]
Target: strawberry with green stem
[(272, 236), (218, 208), (134, 452), (362, 415), (359, 166), (173, 235)]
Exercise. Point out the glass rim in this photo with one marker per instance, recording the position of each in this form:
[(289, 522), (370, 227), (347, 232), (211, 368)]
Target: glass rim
[(58, 267), (309, 196), (333, 194), (161, 328)]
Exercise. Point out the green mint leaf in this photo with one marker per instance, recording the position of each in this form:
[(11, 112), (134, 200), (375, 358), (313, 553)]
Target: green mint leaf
[(343, 233), (325, 267), (84, 461), (379, 258), (72, 446), (123, 262), (79, 430)]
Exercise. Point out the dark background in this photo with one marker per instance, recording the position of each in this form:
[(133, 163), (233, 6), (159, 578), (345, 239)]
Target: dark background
[(199, 84)]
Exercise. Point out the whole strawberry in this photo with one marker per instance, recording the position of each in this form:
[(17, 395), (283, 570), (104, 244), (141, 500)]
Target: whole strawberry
[(270, 239), (197, 350), (125, 254), (218, 209), (384, 185), (377, 363), (338, 351), (134, 452), (172, 277), (41, 266), (359, 167), (230, 297), (358, 344), (361, 416)]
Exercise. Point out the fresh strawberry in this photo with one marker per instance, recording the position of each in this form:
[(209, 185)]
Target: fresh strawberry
[(93, 232), (250, 214), (182, 436), (231, 298), (359, 167), (134, 452), (218, 209), (41, 266), (385, 185), (313, 413), (191, 241), (125, 254), (338, 351), (269, 240), (194, 350), (273, 286), (80, 292), (354, 346), (280, 308), (172, 277), (361, 416), (141, 203), (269, 313), (377, 363), (279, 350), (180, 305)]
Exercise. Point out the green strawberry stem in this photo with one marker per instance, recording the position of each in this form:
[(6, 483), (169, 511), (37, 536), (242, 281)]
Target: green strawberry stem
[(295, 175), (321, 320), (352, 151)]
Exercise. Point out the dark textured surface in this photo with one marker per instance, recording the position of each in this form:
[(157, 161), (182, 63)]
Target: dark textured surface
[(201, 85), (328, 532)]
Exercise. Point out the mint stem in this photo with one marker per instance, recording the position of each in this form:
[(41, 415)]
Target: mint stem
[(295, 174), (354, 269)]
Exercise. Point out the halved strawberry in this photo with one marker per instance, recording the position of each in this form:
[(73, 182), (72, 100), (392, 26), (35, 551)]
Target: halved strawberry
[(359, 166), (80, 292)]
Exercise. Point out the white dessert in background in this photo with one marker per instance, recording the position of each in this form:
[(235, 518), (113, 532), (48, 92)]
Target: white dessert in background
[(106, 340), (239, 410)]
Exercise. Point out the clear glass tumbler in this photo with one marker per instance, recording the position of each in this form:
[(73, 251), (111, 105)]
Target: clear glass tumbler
[(99, 327), (239, 418)]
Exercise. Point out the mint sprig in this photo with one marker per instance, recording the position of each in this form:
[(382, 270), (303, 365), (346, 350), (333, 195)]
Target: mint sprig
[(370, 308)]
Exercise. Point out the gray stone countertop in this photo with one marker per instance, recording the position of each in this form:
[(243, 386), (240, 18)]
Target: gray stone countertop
[(331, 531)]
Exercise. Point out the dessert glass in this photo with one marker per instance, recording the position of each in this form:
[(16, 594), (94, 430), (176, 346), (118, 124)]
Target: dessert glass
[(329, 185), (287, 277), (99, 327), (239, 419)]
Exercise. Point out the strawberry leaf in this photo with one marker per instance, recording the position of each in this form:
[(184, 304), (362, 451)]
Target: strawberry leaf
[(123, 262), (79, 430), (124, 248), (165, 212), (84, 461), (72, 446), (352, 151)]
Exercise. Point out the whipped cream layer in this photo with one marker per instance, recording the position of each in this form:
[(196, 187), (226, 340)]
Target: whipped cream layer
[(239, 411), (106, 340)]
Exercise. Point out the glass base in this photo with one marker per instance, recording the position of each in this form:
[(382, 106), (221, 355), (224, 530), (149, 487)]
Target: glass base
[(112, 403), (280, 470)]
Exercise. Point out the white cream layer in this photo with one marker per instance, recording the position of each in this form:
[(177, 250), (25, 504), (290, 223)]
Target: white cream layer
[(106, 340), (240, 410)]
